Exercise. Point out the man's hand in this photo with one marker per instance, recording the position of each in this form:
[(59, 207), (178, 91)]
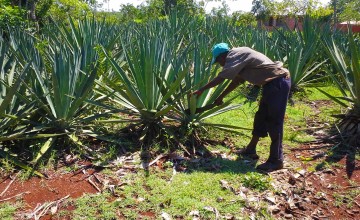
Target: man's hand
[(197, 92), (219, 101)]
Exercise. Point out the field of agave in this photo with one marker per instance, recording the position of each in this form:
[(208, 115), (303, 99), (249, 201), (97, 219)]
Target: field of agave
[(58, 87)]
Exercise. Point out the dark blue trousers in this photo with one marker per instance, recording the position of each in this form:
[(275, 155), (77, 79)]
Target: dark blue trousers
[(269, 119)]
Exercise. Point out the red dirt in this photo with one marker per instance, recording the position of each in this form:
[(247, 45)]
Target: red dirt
[(41, 190), (332, 181)]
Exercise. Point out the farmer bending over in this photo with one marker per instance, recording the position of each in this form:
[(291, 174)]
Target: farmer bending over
[(244, 64)]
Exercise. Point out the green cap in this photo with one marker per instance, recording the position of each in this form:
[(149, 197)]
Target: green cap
[(219, 49)]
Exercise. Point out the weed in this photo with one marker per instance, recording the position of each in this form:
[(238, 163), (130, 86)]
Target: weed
[(322, 166), (95, 207), (353, 183), (7, 210), (264, 213), (256, 181), (348, 198), (6, 166)]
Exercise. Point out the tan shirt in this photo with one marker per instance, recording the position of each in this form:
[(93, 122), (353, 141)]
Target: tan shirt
[(252, 66)]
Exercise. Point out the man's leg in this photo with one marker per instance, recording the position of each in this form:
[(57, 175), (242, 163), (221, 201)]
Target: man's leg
[(276, 97), (259, 130), (251, 147), (277, 110)]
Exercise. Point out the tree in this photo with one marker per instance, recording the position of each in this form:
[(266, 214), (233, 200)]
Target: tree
[(266, 8), (128, 12), (241, 18), (221, 11), (157, 9), (61, 9), (262, 9), (11, 14), (351, 11), (14, 12)]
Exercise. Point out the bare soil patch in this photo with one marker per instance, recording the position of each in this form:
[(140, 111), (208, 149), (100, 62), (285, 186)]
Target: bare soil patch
[(36, 193), (329, 191)]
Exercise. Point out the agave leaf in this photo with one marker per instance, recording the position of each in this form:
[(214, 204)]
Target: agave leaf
[(119, 121), (347, 64), (173, 87), (20, 136), (355, 66), (218, 109), (118, 92), (227, 126), (14, 88), (45, 147), (75, 139), (335, 99), (130, 91), (99, 136), (164, 111)]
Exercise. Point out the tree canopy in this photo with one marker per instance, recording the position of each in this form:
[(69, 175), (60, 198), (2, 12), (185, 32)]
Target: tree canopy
[(347, 10), (29, 12)]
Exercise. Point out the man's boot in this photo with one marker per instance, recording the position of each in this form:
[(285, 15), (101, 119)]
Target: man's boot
[(275, 161)]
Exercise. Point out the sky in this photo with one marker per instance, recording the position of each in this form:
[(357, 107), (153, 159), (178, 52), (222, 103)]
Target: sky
[(239, 5)]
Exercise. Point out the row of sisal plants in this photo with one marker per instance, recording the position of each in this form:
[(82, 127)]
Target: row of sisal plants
[(60, 86)]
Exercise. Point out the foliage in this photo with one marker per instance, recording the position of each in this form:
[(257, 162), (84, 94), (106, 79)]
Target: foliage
[(56, 100), (158, 9), (10, 15), (129, 12), (323, 14), (256, 181), (61, 81), (62, 9), (7, 210), (42, 10), (244, 19), (201, 73), (339, 4), (346, 62), (39, 12), (150, 66), (351, 12), (301, 53), (263, 9)]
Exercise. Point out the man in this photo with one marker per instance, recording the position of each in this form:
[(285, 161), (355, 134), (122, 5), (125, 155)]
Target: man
[(244, 64)]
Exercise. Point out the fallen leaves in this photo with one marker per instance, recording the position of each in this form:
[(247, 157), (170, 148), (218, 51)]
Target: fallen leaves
[(165, 216), (214, 210), (43, 209), (225, 185)]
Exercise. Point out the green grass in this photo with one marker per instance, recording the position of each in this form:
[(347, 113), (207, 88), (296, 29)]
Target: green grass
[(92, 207), (160, 190), (178, 195), (313, 94), (8, 210)]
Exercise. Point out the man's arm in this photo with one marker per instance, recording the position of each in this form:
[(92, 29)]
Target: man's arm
[(216, 81), (234, 83)]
